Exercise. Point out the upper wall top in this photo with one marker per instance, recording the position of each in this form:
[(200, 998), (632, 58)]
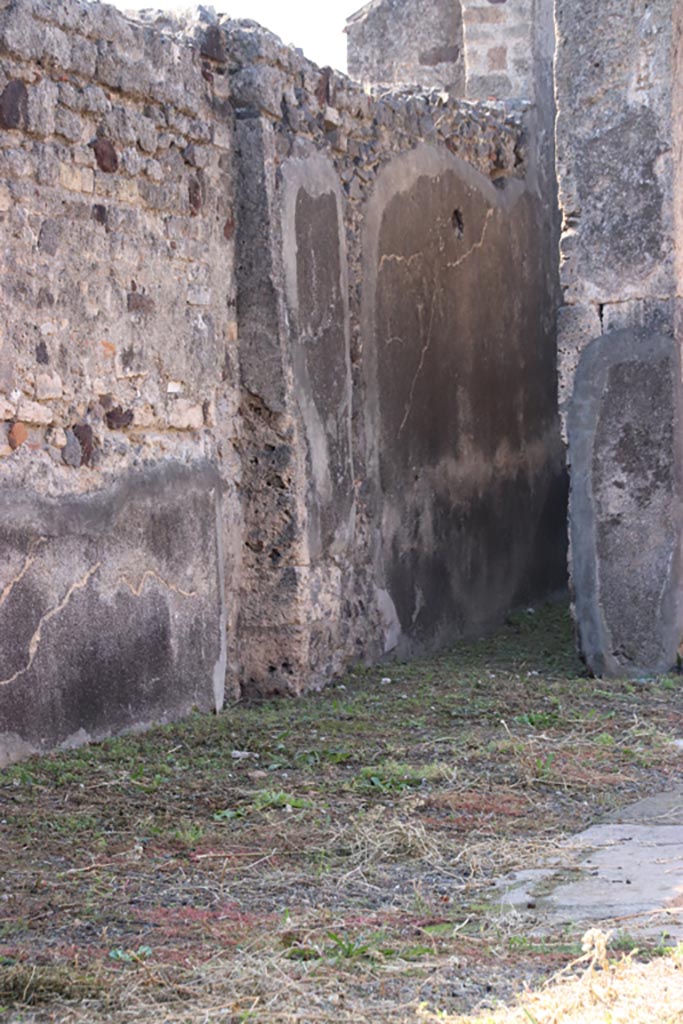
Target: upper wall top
[(481, 49), (415, 41)]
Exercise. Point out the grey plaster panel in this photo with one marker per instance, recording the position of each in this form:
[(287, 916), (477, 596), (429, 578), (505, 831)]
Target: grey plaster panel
[(315, 267), (625, 516), (110, 608), (462, 398)]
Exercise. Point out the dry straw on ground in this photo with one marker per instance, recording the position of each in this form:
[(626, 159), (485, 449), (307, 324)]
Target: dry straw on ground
[(334, 859)]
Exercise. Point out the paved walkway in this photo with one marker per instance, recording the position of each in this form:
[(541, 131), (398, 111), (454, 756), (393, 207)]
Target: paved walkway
[(626, 874)]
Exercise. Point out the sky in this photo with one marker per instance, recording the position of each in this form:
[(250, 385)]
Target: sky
[(316, 26)]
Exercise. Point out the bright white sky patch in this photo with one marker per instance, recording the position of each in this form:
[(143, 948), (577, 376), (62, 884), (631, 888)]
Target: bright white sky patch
[(315, 26)]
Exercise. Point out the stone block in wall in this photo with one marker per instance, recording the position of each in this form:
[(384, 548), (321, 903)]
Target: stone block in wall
[(626, 514), (111, 607)]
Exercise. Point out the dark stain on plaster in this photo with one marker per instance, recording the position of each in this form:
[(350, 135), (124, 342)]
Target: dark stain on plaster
[(321, 363), (439, 55), (89, 644), (471, 476), (99, 213)]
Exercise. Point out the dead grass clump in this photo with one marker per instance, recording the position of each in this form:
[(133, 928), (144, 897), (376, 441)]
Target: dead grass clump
[(604, 992), (380, 837), (29, 985)]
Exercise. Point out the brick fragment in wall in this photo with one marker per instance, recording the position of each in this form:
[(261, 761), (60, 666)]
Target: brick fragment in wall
[(18, 434), (106, 155), (84, 434), (13, 105), (118, 418)]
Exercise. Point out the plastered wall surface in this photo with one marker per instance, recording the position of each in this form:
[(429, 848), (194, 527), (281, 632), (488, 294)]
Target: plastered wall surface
[(117, 482), (620, 252), (223, 469)]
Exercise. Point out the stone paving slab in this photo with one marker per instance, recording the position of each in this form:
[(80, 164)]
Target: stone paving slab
[(625, 873)]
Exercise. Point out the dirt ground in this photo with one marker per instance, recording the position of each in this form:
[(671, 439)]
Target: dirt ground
[(334, 858)]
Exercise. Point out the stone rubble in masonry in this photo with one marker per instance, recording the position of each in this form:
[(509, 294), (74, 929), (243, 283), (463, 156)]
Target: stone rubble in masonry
[(279, 349)]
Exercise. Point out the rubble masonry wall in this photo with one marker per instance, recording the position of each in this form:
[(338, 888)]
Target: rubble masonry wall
[(276, 370)]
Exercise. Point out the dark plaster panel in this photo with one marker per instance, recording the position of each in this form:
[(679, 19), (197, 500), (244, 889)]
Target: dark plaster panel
[(472, 484), (110, 616), (625, 502), (321, 364)]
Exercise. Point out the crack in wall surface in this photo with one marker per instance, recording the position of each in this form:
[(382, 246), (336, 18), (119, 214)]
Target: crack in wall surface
[(425, 348), (423, 356), (151, 574), (30, 559), (394, 257), (477, 245), (35, 639)]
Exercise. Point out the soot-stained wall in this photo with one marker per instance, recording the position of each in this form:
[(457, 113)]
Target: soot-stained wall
[(108, 618), (465, 431), (276, 370)]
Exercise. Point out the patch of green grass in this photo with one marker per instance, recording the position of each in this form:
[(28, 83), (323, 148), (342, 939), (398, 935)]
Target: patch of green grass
[(624, 942), (266, 799), (542, 947), (395, 777), (188, 833), (538, 719)]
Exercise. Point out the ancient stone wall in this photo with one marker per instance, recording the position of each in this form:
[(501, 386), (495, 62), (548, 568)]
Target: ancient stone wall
[(618, 161), (118, 508), (482, 49), (499, 47), (276, 376), (432, 490), (419, 42)]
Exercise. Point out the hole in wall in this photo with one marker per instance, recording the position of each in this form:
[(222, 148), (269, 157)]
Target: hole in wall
[(458, 223)]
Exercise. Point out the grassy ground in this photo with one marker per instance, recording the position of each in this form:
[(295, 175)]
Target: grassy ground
[(331, 858)]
